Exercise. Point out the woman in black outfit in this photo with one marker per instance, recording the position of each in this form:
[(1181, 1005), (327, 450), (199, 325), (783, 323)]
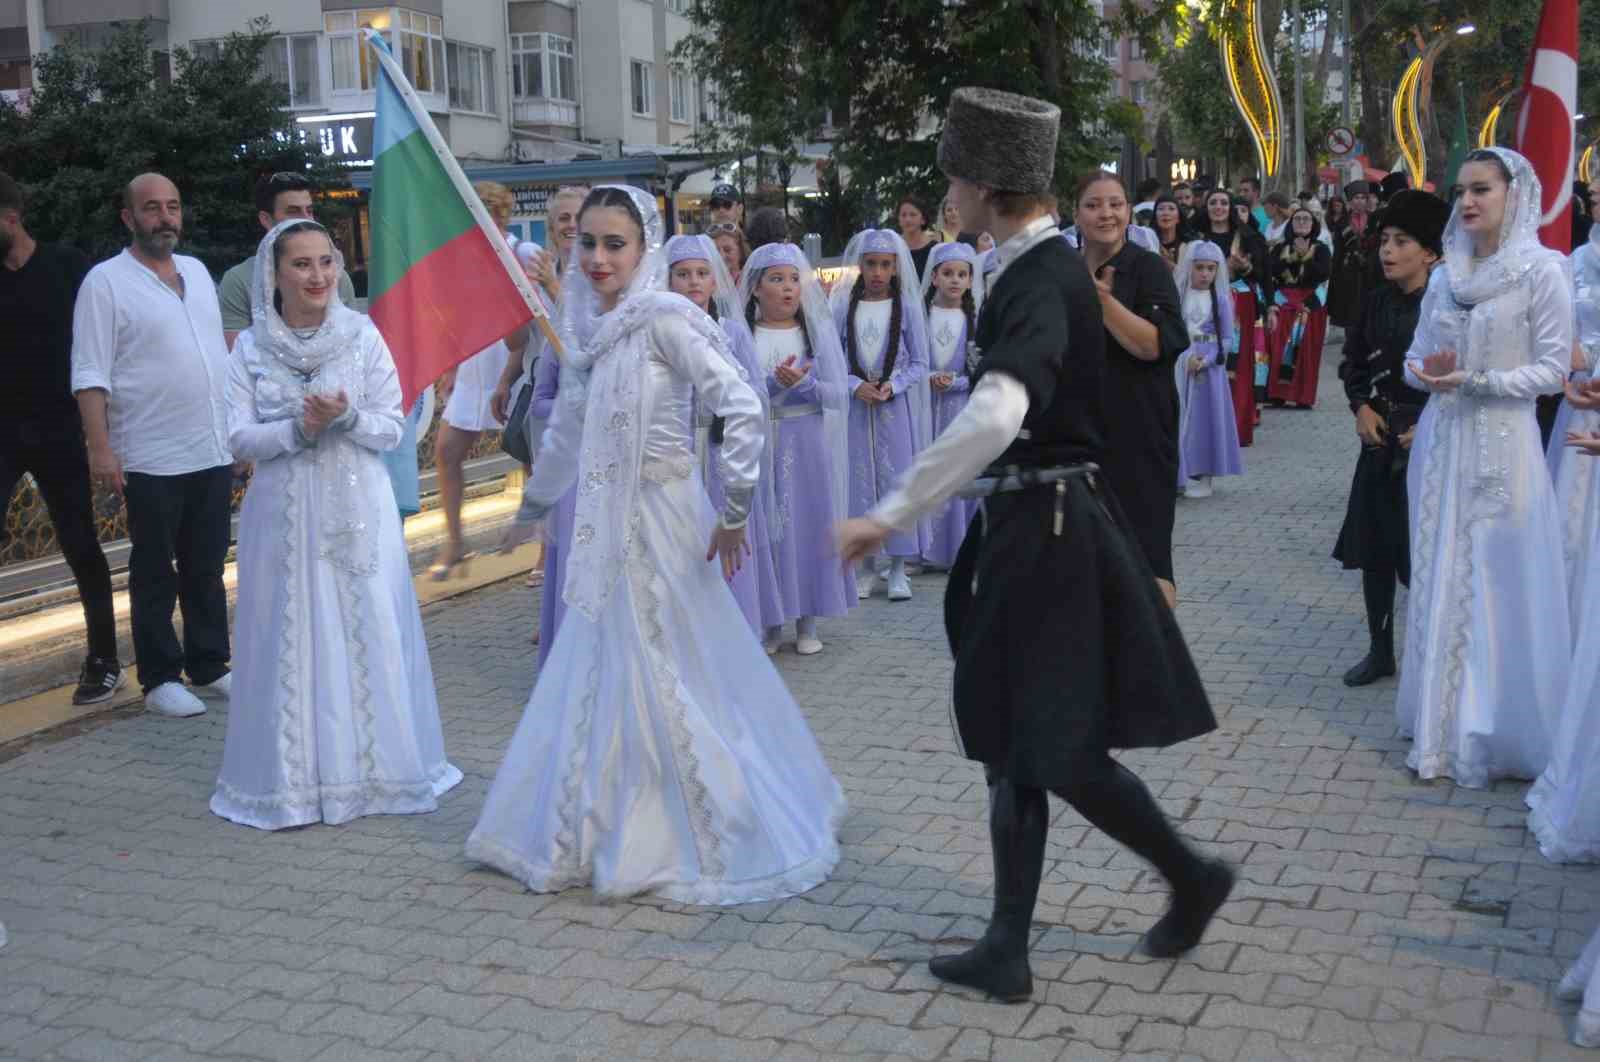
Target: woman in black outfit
[(1145, 334), (1233, 231), (1170, 228)]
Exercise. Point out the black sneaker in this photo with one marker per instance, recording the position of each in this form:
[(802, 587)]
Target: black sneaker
[(99, 681)]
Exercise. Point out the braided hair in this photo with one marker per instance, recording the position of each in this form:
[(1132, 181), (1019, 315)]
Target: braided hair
[(893, 348)]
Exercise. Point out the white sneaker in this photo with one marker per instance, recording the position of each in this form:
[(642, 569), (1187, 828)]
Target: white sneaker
[(1199, 487), (772, 639), (220, 690), (807, 645), (899, 585), (170, 698), (864, 587)]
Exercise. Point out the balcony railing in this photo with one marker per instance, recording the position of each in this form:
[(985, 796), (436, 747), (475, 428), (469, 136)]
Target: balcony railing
[(539, 111)]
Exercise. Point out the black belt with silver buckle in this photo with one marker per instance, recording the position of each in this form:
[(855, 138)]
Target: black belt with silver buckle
[(1013, 478)]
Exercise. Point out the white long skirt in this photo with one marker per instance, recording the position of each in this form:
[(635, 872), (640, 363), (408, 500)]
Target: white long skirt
[(333, 713), (1488, 638), (1582, 982), (660, 751), (469, 407), (1565, 802)]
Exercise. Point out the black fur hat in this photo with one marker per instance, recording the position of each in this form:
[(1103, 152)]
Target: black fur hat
[(1000, 139), (1420, 215)]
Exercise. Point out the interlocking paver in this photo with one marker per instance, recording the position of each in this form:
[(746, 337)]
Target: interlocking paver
[(1376, 918)]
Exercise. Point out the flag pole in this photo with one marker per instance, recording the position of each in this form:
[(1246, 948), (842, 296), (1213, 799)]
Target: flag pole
[(463, 187)]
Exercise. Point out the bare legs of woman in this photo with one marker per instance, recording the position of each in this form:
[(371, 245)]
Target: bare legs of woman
[(450, 450)]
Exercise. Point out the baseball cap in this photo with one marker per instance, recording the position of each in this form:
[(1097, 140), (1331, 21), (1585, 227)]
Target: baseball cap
[(725, 191)]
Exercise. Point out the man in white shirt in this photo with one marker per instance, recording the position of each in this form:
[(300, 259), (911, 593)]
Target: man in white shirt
[(148, 368)]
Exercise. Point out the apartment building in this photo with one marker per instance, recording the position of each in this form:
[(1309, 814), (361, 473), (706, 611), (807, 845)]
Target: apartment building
[(506, 80)]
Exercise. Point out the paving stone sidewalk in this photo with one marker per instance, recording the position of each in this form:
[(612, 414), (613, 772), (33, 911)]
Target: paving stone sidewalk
[(1377, 918)]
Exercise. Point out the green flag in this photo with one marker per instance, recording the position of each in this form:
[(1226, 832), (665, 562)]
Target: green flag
[(1460, 144)]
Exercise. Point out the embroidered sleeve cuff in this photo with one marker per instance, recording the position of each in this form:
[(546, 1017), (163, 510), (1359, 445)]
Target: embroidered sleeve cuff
[(301, 439), (344, 421), (736, 507)]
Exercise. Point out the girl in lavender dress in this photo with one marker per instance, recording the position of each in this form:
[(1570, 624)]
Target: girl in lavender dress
[(1208, 439), (696, 271), (798, 357), (881, 325), (950, 293)]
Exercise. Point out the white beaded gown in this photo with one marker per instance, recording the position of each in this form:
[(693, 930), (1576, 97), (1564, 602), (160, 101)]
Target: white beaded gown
[(1564, 804), (1488, 638), (660, 751), (333, 713)]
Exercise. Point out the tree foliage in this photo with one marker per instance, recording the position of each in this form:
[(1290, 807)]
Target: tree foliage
[(98, 117), (885, 70)]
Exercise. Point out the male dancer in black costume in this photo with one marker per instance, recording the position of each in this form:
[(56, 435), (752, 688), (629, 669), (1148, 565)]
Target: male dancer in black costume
[(1064, 648), (1376, 535)]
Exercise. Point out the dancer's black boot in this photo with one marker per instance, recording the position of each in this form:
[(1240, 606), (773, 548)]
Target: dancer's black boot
[(1378, 590), (998, 964), (1115, 802)]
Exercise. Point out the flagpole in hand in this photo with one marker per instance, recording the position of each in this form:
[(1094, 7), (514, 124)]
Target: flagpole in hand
[(424, 121)]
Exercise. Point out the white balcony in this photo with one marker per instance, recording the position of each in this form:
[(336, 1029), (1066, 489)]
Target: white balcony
[(539, 111)]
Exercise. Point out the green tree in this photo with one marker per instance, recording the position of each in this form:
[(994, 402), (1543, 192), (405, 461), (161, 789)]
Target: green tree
[(885, 70), (100, 116)]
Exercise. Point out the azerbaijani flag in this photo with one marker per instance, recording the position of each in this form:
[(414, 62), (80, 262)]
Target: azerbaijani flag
[(442, 282)]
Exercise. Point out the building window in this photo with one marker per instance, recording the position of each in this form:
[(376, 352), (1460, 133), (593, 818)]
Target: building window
[(470, 77), (643, 78), (678, 7), (710, 105), (416, 39), (678, 90), (1135, 49), (543, 66), (1141, 91), (1111, 48), (291, 61)]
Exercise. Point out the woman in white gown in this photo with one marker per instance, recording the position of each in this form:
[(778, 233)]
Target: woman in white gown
[(1488, 639), (333, 713), (1565, 801), (660, 751), (1578, 481)]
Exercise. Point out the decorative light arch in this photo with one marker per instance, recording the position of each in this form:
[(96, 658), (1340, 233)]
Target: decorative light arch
[(1252, 82)]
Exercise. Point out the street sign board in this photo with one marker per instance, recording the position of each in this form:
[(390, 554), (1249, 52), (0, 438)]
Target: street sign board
[(1341, 141)]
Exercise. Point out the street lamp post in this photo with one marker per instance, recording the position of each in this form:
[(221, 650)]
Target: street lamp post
[(1299, 105)]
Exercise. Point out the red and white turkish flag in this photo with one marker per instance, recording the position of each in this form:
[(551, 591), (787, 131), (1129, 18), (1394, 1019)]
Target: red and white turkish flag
[(1545, 132)]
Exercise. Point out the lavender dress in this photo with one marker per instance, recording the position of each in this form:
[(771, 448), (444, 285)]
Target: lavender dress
[(1208, 438), (755, 586), (558, 535), (947, 340), (883, 437), (806, 570)]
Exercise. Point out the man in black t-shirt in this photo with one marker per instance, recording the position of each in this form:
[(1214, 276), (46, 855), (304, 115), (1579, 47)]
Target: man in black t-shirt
[(40, 431)]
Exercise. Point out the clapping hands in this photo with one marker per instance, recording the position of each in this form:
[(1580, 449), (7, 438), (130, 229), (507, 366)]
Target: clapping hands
[(319, 411)]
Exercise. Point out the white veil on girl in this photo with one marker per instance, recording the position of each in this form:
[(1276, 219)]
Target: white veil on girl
[(954, 252), (828, 355)]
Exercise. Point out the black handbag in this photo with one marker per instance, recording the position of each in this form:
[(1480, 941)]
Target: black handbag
[(514, 438)]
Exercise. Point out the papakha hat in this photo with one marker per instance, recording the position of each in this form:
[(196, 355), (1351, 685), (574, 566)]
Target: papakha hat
[(1000, 139), (1420, 215)]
